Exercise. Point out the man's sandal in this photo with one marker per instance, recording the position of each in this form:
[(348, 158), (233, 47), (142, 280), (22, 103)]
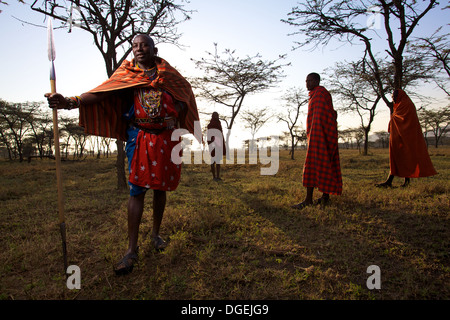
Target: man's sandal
[(323, 201), (158, 243), (301, 205), (383, 185), (125, 266)]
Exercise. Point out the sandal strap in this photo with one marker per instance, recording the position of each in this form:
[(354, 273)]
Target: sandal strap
[(130, 256), (126, 260), (300, 205), (158, 243)]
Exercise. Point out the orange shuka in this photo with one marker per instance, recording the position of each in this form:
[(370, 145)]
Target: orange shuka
[(105, 118), (408, 154)]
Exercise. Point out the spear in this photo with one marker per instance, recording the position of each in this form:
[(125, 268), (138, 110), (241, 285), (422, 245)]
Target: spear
[(62, 224)]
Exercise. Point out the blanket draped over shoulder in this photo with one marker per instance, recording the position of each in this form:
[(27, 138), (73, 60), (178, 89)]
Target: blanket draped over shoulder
[(105, 118), (408, 154), (322, 165)]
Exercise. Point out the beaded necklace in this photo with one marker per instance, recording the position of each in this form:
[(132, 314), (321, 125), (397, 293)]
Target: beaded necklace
[(149, 72)]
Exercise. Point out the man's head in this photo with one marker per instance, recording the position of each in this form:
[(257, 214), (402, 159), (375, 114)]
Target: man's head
[(144, 50), (312, 81)]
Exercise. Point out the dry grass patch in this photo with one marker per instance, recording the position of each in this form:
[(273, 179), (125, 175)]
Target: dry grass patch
[(235, 239)]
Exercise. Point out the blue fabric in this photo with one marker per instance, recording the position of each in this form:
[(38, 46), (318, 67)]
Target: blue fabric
[(132, 133)]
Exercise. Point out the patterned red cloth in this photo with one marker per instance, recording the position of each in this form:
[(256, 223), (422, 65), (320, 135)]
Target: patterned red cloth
[(322, 168), (151, 166)]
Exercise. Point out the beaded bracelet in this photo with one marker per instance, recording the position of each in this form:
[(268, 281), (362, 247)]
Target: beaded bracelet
[(73, 102)]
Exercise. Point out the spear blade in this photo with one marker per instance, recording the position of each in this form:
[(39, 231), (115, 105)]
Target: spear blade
[(50, 41), (51, 54)]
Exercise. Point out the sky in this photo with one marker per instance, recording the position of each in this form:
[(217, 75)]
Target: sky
[(248, 26)]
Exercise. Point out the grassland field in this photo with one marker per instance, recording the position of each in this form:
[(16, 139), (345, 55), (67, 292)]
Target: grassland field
[(234, 239)]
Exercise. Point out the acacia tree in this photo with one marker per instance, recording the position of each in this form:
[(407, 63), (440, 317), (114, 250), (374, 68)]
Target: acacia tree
[(106, 142), (229, 80), (40, 123), (4, 2), (325, 20), (80, 138), (346, 135), (356, 90), (356, 86), (15, 119), (113, 25), (255, 120), (383, 138), (437, 120), (295, 98), (436, 49), (5, 136)]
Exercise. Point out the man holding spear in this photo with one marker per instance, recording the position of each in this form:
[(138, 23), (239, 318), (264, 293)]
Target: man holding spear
[(141, 103)]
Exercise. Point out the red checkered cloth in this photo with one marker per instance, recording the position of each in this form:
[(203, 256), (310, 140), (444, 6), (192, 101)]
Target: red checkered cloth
[(322, 168), (105, 118)]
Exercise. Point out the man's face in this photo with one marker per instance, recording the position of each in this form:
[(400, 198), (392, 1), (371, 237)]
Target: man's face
[(143, 50), (311, 83)]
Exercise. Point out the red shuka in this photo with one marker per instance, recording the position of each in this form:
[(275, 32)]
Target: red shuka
[(322, 168), (215, 124)]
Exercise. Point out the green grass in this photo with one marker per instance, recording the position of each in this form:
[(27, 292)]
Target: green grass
[(236, 239)]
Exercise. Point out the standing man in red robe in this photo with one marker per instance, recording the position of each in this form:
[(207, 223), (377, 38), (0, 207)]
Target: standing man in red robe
[(142, 103), (408, 153), (322, 168)]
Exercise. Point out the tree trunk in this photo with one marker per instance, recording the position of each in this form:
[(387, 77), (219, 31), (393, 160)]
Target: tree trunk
[(292, 148), (366, 141), (120, 166)]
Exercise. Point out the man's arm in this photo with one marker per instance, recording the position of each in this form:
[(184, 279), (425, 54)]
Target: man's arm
[(181, 108), (57, 100)]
